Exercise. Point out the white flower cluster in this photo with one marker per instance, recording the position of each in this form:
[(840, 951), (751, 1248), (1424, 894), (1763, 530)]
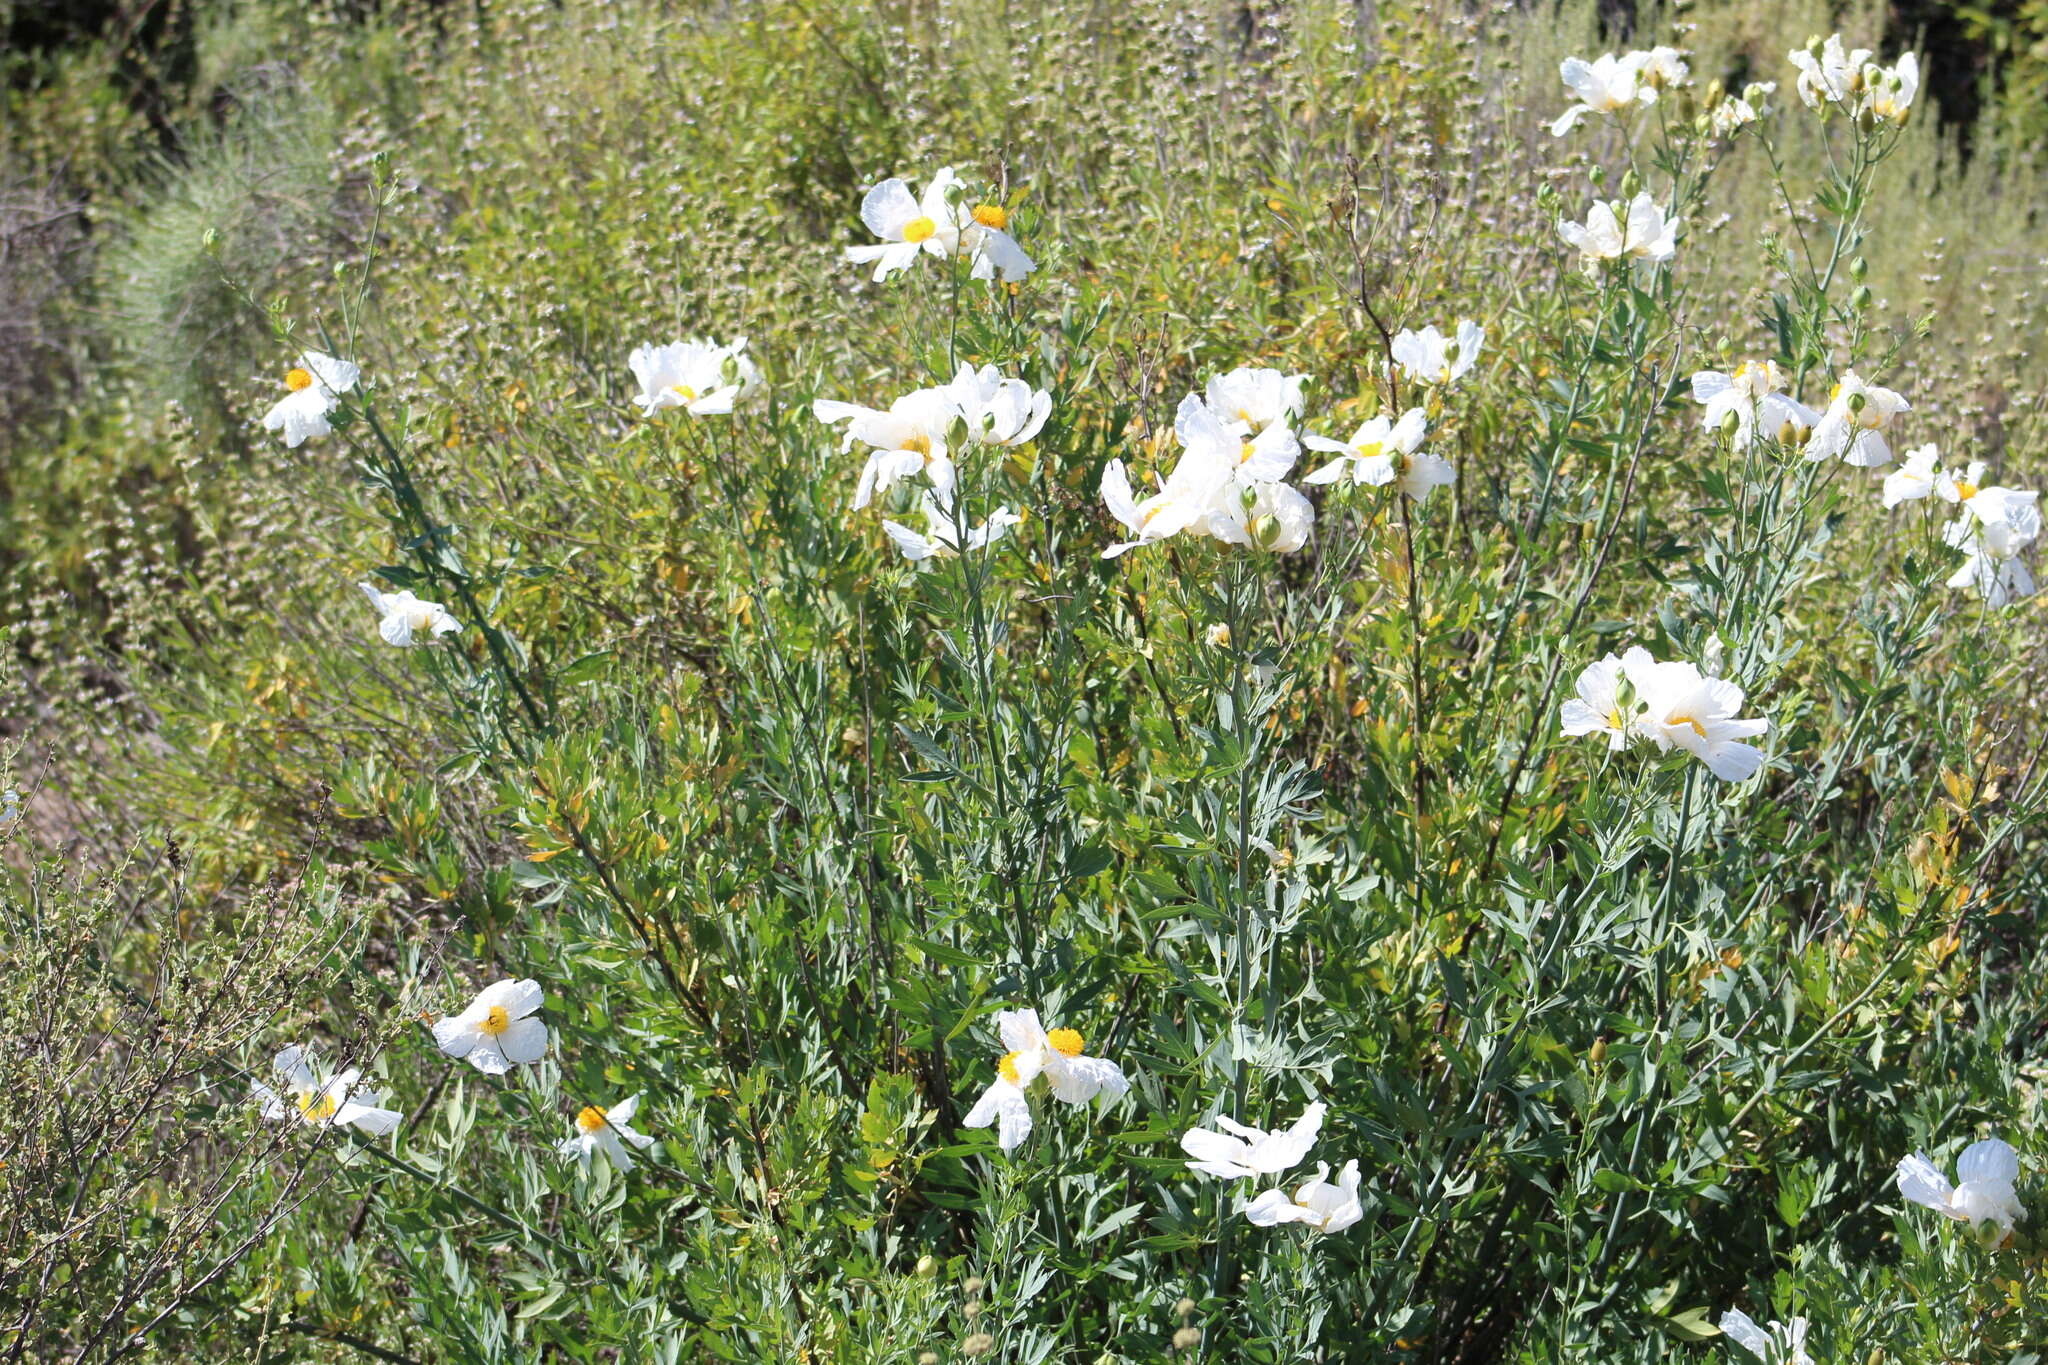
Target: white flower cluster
[(1032, 1053), (920, 434), (1994, 525), (1240, 1152), (1238, 444), (1834, 78), (495, 1033), (1673, 705), (940, 223), (1609, 84)]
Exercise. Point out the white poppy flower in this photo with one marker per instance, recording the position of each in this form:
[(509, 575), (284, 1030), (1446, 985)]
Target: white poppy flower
[(1326, 1207), (1892, 89), (2000, 523), (1857, 414), (908, 225), (1683, 708), (1597, 708), (1261, 513), (1983, 1196), (1753, 395), (404, 620), (1251, 400), (985, 236), (497, 1030), (1165, 514), (321, 1101), (1782, 1343), (907, 440), (1604, 85), (697, 376), (1739, 111), (1917, 476), (607, 1131), (1033, 1053), (316, 382), (943, 540), (1663, 66), (1382, 452), (998, 411), (1240, 1152), (1429, 357), (1637, 230), (1828, 73)]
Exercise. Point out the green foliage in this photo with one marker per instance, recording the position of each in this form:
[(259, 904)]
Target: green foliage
[(781, 823)]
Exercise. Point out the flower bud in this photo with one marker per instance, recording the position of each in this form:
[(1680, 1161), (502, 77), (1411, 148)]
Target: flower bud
[(972, 1308), (1597, 1053), (927, 1266), (973, 1285), (1187, 1338), (1266, 531), (1816, 45), (1185, 1308), (1860, 297), (927, 1358), (1598, 175), (1857, 402), (1859, 269), (1631, 183), (1715, 93), (1753, 95), (980, 1344), (1730, 425)]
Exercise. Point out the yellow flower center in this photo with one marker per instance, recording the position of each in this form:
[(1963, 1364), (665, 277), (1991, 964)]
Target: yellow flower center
[(919, 229), (921, 444), (684, 392), (496, 1022), (1680, 718), (1834, 392), (1007, 1067), (1065, 1041), (1246, 451), (992, 215), (296, 379), (1614, 719), (1965, 491), (317, 1106), (1443, 375), (591, 1119)]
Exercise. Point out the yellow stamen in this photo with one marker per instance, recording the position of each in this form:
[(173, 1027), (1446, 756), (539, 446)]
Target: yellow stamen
[(317, 1106), (1065, 1041), (1007, 1067), (684, 392), (921, 444), (919, 229), (992, 215), (1682, 719), (496, 1022), (1614, 719), (296, 379), (1965, 491), (1834, 392), (591, 1119), (1246, 451)]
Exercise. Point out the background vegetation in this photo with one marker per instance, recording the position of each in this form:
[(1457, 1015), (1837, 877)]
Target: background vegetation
[(787, 822)]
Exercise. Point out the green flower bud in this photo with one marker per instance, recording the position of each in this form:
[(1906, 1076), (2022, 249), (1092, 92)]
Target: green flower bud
[(1861, 297), (1859, 270)]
